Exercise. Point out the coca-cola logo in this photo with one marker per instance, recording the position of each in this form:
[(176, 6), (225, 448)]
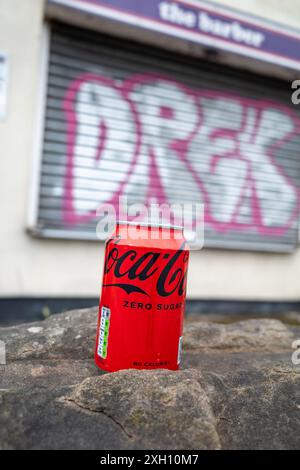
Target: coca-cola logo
[(169, 270)]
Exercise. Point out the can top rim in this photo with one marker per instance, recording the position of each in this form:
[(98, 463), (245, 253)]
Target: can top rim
[(149, 224)]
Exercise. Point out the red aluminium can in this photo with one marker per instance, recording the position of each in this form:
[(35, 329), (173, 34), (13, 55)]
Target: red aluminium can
[(143, 298)]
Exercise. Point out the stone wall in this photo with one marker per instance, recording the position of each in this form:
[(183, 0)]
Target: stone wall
[(237, 389)]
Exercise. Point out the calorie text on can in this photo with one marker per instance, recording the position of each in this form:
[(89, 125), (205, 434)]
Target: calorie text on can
[(143, 298)]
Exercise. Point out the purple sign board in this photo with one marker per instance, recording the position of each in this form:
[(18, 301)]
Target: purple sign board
[(203, 23)]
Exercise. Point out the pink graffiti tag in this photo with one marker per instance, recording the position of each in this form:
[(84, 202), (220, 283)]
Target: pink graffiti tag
[(164, 142)]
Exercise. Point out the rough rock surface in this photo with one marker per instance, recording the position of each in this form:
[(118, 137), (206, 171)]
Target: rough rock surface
[(237, 389)]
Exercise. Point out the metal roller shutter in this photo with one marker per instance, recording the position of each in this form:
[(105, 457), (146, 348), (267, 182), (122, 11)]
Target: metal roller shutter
[(125, 118)]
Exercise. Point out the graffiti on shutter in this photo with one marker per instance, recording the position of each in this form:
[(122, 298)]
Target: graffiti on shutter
[(155, 139)]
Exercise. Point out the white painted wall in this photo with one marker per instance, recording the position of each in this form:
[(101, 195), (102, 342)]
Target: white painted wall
[(40, 267), (285, 12)]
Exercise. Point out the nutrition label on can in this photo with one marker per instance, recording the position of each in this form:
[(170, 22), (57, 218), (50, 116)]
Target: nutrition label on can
[(103, 332)]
